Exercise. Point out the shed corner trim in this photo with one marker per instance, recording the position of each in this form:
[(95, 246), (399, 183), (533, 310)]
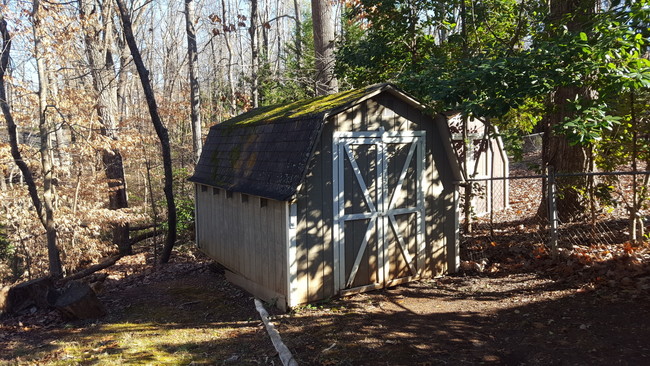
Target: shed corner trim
[(291, 212)]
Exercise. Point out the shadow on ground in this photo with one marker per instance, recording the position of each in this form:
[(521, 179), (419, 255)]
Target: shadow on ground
[(514, 320), (179, 314), (187, 313)]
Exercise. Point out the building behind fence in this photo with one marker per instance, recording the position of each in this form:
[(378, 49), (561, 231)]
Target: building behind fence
[(487, 158)]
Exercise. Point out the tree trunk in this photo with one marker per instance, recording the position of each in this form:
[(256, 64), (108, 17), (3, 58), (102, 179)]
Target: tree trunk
[(298, 40), (557, 152), (324, 44), (254, 54), (231, 78), (103, 75), (195, 99), (161, 131), (45, 130), (565, 158), (123, 77)]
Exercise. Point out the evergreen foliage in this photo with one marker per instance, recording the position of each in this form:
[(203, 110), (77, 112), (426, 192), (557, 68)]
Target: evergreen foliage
[(295, 82), (505, 60)]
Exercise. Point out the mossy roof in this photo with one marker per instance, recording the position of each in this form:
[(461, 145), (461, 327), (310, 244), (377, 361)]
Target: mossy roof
[(301, 109), (265, 151)]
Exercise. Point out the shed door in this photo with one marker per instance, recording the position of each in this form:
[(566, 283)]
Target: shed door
[(378, 208)]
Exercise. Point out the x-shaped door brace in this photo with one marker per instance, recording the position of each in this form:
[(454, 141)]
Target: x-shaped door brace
[(388, 209)]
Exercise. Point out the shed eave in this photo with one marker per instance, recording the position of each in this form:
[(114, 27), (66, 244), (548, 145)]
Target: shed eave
[(443, 129), (282, 198)]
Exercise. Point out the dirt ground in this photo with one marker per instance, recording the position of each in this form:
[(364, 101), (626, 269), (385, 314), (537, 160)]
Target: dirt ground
[(514, 319), (178, 314), (189, 314)]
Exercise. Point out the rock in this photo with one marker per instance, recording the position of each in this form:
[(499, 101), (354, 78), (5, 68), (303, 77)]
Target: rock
[(4, 294), (79, 301), (26, 295)]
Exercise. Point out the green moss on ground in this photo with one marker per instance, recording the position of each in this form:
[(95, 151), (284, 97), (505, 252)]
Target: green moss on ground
[(178, 322)]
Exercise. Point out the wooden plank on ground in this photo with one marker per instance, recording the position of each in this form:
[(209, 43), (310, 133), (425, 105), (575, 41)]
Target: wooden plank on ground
[(276, 299)]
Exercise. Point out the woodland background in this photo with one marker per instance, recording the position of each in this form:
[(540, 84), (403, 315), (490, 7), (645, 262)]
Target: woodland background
[(76, 96)]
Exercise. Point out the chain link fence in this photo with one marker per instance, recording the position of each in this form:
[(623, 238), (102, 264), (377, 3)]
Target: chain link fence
[(546, 213)]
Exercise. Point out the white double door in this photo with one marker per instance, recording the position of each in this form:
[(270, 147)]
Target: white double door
[(378, 208)]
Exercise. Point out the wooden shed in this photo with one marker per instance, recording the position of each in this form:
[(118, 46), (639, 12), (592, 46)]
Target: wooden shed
[(487, 160), (329, 196)]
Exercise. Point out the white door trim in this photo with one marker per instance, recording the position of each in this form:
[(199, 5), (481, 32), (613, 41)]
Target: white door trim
[(382, 215)]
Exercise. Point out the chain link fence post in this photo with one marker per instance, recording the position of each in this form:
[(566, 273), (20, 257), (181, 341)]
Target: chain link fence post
[(552, 210)]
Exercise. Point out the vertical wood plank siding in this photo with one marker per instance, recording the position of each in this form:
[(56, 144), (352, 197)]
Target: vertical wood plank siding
[(247, 239), (315, 251), (492, 163)]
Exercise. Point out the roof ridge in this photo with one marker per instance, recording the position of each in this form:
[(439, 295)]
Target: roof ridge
[(308, 107)]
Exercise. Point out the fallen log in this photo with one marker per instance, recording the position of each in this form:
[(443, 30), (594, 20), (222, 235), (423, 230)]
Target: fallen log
[(145, 236), (92, 269), (78, 301)]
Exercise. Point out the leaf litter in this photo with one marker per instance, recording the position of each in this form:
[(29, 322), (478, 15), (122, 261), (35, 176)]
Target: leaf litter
[(514, 303)]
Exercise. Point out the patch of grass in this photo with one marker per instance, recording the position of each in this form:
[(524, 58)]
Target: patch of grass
[(191, 293), (143, 343), (169, 324)]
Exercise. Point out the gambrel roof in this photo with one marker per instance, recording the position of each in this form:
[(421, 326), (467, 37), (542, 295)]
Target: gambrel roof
[(265, 152)]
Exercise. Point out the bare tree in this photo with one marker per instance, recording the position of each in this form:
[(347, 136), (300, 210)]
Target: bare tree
[(45, 130), (298, 31), (324, 46), (97, 38), (231, 78), (195, 99), (45, 213), (161, 130), (252, 30)]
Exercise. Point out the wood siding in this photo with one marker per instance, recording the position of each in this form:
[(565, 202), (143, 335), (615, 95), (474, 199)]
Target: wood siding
[(246, 234), (315, 249), (492, 163)]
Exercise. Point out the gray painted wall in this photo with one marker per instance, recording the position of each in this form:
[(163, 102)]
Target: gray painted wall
[(315, 251)]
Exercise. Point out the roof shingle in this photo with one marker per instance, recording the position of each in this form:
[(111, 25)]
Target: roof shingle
[(265, 151)]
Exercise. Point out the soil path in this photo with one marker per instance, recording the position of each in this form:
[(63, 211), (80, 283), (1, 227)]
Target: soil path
[(188, 313), (515, 319)]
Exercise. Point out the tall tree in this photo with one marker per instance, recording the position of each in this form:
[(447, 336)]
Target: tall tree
[(324, 46), (297, 14), (227, 29), (53, 252), (195, 92), (45, 131), (98, 32), (255, 59), (558, 152), (161, 130)]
